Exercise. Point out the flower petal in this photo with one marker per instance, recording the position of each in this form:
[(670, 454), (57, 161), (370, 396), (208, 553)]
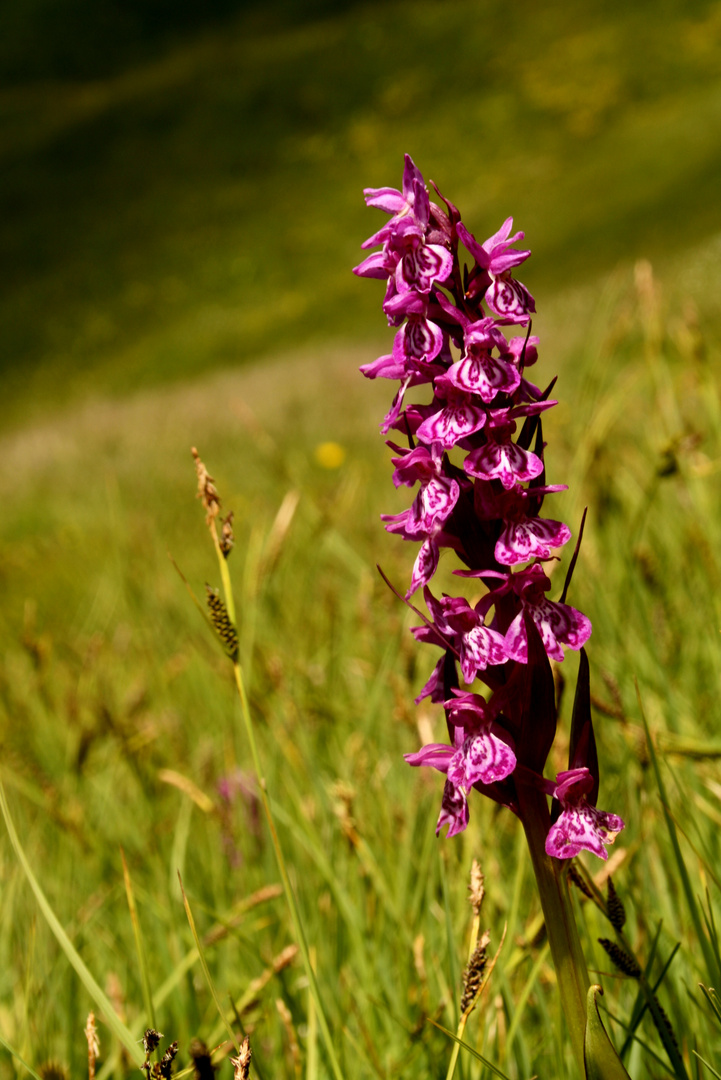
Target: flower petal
[(582, 828), (456, 421), (481, 373), (425, 565), (532, 538), (454, 810), (482, 758), (436, 755)]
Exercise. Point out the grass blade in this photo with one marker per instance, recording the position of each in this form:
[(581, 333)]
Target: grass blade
[(204, 965), (139, 946), (101, 1000), (710, 959), (464, 1046), (18, 1057), (709, 1067)]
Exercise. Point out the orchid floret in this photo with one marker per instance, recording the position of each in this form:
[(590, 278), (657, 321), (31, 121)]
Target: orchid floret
[(580, 825)]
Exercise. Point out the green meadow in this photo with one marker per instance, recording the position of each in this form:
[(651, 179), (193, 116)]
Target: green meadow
[(177, 236)]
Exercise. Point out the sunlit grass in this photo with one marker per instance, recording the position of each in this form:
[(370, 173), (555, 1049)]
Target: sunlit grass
[(120, 716)]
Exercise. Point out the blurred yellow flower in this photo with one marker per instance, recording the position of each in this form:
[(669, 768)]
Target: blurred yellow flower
[(329, 455)]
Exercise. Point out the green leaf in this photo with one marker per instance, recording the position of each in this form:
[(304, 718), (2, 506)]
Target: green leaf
[(600, 1057)]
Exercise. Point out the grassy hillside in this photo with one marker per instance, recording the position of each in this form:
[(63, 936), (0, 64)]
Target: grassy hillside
[(203, 209)]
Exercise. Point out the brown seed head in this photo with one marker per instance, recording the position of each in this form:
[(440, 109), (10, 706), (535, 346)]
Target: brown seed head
[(615, 908), (207, 491), (477, 887), (203, 1067), (151, 1040), (241, 1064), (473, 975), (227, 540), (91, 1034), (221, 621), (165, 1065), (626, 963)]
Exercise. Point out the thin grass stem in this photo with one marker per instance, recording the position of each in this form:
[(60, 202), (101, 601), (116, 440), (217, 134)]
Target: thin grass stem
[(139, 946), (298, 929)]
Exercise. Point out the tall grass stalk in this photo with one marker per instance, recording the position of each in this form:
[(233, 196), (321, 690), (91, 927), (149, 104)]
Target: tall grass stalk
[(299, 931)]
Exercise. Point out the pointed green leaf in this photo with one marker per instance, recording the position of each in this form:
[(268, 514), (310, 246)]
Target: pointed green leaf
[(582, 743), (601, 1060)]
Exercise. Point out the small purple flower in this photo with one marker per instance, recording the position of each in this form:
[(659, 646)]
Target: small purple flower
[(524, 536), (431, 507), (479, 645), (510, 300), (458, 418), (480, 373), (477, 758), (412, 201), (580, 825), (418, 341), (506, 297), (501, 458), (483, 758), (437, 496), (421, 266), (480, 759), (557, 623)]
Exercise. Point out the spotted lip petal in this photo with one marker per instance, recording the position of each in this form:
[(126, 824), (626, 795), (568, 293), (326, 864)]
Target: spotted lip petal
[(532, 538), (481, 647), (425, 566), (504, 461), (421, 266), (558, 624), (454, 810), (510, 300), (457, 420), (482, 758), (483, 374), (418, 339), (432, 506), (582, 828)]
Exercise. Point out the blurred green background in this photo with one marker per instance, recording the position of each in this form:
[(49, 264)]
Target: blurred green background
[(181, 186), (182, 203)]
